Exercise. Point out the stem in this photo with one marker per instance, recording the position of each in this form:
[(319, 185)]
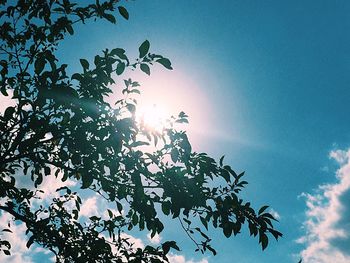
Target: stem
[(186, 230)]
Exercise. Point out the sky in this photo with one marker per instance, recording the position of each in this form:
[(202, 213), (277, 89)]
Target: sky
[(266, 83)]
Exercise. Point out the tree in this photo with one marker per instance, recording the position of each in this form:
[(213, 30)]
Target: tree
[(62, 127)]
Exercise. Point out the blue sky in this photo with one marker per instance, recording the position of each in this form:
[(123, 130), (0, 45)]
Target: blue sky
[(267, 84), (275, 75)]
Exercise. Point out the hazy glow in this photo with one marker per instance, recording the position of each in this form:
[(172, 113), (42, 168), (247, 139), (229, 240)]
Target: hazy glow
[(165, 94), (152, 117)]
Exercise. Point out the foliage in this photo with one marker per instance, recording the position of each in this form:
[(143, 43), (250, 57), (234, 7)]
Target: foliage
[(61, 126)]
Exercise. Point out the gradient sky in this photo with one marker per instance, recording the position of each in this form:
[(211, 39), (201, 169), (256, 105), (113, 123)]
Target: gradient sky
[(267, 84)]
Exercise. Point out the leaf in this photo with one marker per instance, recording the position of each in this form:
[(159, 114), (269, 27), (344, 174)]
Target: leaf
[(119, 52), (221, 162), (120, 68), (144, 48), (47, 170), (138, 143), (119, 207), (135, 91), (30, 241), (262, 209), (87, 180), (77, 76), (166, 207), (165, 62), (110, 18), (227, 230), (169, 244), (185, 145), (7, 252), (276, 234), (110, 213), (268, 215), (264, 241), (84, 63), (145, 68), (226, 175), (39, 180), (9, 112), (124, 13), (135, 219), (70, 29), (3, 90), (212, 250), (75, 214), (174, 154), (204, 222), (94, 218), (131, 108), (39, 65)]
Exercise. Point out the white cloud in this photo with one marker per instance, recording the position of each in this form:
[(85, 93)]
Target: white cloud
[(275, 214), (155, 240), (137, 243), (17, 239), (7, 101), (49, 185), (89, 207), (327, 224), (174, 258)]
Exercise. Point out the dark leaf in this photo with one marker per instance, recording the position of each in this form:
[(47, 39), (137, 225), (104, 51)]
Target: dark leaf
[(39, 65), (204, 222), (84, 63), (145, 68), (70, 29), (3, 90), (264, 241), (174, 155), (47, 170), (87, 180), (30, 241), (9, 112), (77, 76), (123, 12), (110, 18), (262, 209), (166, 207), (120, 68), (227, 230), (144, 48), (165, 62), (169, 244), (221, 162)]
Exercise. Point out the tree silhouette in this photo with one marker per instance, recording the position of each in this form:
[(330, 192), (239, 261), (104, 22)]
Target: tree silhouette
[(60, 126)]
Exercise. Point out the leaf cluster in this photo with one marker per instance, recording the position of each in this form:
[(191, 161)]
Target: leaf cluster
[(63, 127)]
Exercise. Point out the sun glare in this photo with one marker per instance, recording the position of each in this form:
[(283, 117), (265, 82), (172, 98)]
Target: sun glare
[(152, 117), (166, 94)]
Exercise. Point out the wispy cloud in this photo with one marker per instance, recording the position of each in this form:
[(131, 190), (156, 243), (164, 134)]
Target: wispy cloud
[(174, 258), (275, 214), (19, 251), (89, 207), (137, 242), (327, 224), (154, 240)]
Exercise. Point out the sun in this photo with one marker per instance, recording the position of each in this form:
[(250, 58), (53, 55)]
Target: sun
[(152, 117)]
